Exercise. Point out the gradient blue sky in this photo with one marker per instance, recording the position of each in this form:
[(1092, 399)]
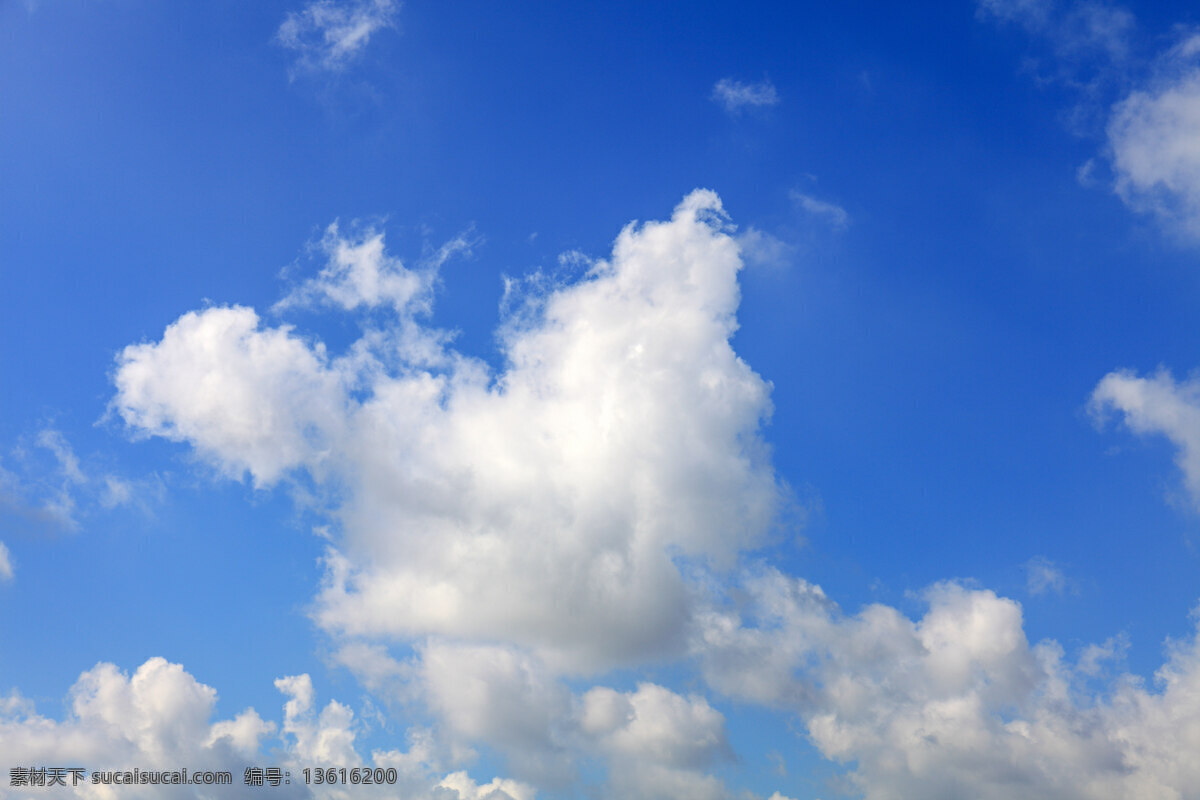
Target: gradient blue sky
[(970, 240)]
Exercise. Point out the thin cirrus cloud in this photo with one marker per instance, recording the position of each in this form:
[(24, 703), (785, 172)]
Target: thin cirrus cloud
[(514, 535), (49, 487), (828, 213), (1030, 13), (1043, 576), (327, 35), (1074, 31), (735, 96)]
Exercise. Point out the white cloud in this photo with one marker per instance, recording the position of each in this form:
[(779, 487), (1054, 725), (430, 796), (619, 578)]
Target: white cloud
[(1152, 132), (654, 743), (734, 96), (509, 526), (252, 400), (762, 248), (328, 34), (159, 718), (327, 738), (1154, 137), (116, 492), (829, 213), (1093, 657), (586, 508), (957, 703), (623, 410), (1042, 575), (359, 274), (507, 699), (497, 789), (6, 565), (658, 743), (1158, 405)]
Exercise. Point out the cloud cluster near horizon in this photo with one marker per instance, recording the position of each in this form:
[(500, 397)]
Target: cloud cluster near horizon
[(955, 702), (160, 718)]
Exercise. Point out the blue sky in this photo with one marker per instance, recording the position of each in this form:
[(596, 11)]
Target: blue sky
[(620, 400)]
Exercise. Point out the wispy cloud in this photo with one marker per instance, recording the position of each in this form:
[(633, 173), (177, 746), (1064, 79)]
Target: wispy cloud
[(328, 34), (1075, 32), (1043, 575), (827, 212), (735, 96), (761, 248), (1030, 13), (56, 493), (6, 566)]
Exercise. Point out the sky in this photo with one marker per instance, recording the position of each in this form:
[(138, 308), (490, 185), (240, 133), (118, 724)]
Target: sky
[(622, 400)]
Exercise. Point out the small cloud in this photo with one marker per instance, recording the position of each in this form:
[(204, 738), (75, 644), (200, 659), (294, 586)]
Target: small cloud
[(359, 274), (1086, 174), (831, 213), (1042, 576), (575, 259), (116, 492), (6, 567), (1157, 405), (759, 247), (68, 462), (58, 494), (1152, 139), (1094, 656), (734, 96), (328, 34)]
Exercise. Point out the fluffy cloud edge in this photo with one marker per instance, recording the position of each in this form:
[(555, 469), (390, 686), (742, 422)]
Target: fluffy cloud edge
[(1157, 405)]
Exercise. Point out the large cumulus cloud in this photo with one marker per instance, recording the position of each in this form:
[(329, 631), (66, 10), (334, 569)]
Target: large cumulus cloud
[(506, 537), (549, 505)]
